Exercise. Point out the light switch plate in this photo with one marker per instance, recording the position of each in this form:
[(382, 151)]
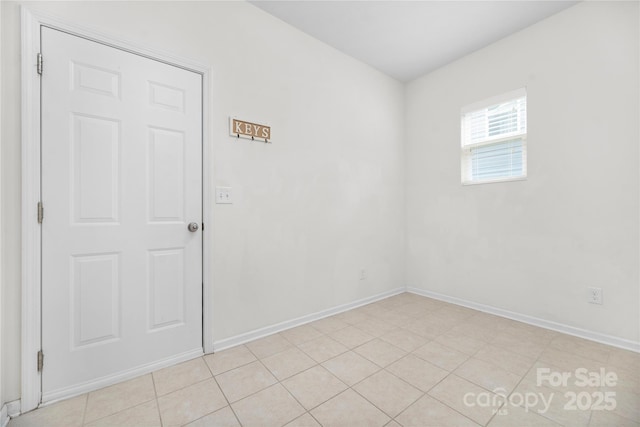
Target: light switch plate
[(223, 195)]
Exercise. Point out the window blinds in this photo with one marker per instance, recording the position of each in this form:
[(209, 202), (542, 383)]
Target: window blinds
[(494, 141)]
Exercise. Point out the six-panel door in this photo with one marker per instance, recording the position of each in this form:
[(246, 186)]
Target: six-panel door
[(121, 181)]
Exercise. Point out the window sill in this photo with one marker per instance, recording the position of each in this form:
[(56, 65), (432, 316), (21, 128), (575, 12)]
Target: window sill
[(493, 181)]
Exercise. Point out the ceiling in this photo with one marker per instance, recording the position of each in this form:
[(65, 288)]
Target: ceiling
[(406, 39)]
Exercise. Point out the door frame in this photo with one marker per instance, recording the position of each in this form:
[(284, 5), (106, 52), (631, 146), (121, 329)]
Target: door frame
[(32, 21)]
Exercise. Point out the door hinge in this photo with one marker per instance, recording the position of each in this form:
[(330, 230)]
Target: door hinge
[(39, 62), (40, 360), (40, 212)]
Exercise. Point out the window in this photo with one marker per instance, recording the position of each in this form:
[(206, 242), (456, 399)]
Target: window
[(494, 139)]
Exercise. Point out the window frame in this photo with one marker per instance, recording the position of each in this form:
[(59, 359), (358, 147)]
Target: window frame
[(465, 149)]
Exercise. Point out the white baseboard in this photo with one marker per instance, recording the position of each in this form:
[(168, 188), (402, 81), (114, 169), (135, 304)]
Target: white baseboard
[(279, 327), (78, 389), (9, 410), (535, 321), (13, 408), (4, 417)]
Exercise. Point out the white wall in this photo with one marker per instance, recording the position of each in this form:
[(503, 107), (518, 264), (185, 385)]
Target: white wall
[(533, 247), (310, 210)]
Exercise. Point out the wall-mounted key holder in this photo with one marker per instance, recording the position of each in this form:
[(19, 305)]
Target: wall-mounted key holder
[(249, 130)]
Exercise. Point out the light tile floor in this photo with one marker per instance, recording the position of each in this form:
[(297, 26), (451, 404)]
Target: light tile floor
[(403, 361)]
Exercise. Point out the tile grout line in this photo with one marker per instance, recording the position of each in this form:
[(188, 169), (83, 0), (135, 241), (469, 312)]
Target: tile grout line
[(368, 376), (181, 388), (331, 373), (222, 392), (491, 391), (427, 392), (119, 412), (155, 391), (447, 376), (325, 401), (84, 411), (514, 389), (530, 370), (231, 369), (278, 382), (446, 404), (84, 422), (422, 394), (306, 411)]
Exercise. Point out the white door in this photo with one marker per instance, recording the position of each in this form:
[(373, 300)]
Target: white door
[(121, 181)]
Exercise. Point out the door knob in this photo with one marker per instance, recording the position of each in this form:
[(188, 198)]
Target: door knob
[(193, 227)]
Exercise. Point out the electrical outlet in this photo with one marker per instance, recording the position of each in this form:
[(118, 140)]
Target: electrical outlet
[(595, 296), (363, 274)]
